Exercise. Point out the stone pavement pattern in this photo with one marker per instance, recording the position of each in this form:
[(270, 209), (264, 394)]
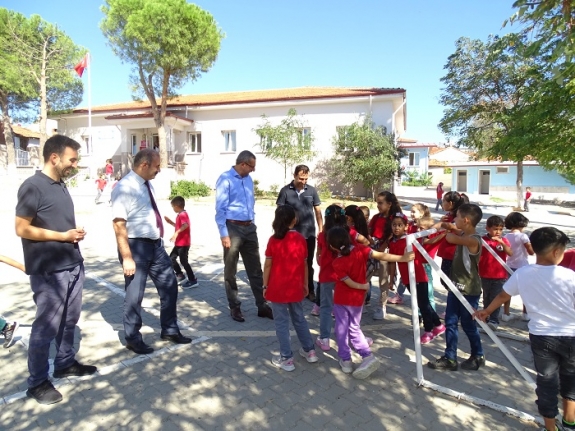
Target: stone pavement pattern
[(225, 379)]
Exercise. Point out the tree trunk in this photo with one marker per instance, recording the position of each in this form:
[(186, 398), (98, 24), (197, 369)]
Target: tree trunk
[(10, 152), (519, 183), (163, 146), (43, 102)]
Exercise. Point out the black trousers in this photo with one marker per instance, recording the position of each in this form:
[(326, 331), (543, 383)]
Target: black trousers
[(181, 252), (310, 257)]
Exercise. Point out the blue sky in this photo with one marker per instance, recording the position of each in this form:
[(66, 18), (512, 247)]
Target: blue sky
[(280, 44)]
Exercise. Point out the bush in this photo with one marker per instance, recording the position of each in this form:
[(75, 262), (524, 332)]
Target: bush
[(413, 178), (258, 193), (189, 189), (324, 192), (274, 188), (447, 170)]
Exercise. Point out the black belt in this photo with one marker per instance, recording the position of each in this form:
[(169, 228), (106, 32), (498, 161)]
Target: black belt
[(240, 222), (150, 240)]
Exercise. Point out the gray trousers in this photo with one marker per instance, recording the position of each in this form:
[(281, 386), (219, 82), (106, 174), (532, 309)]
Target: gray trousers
[(58, 299), (244, 242)]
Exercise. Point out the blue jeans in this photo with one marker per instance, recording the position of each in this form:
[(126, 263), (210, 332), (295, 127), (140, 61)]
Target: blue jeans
[(282, 313), (453, 312), (151, 260), (325, 309), (430, 292), (491, 288), (58, 299), (554, 359)]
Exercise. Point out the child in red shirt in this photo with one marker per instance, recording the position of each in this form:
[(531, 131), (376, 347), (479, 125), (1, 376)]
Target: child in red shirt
[(493, 274), (350, 268), (450, 203), (527, 198), (100, 186), (182, 242), (285, 286), (431, 322)]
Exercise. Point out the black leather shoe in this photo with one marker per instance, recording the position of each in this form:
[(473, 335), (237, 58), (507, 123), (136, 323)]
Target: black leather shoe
[(76, 369), (265, 311), (140, 348), (176, 338), (237, 315), (44, 393)]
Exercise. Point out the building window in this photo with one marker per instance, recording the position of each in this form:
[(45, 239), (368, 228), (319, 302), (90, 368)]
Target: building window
[(502, 170), (413, 159), (194, 143), (265, 143), (87, 145), (229, 141), (304, 139), (134, 144)]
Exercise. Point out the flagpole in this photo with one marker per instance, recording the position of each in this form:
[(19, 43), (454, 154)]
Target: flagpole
[(90, 101)]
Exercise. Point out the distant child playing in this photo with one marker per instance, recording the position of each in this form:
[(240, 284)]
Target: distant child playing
[(100, 186), (182, 242), (465, 277), (521, 247), (493, 274), (350, 269), (548, 292), (431, 322), (286, 285), (527, 198), (9, 329), (109, 169)]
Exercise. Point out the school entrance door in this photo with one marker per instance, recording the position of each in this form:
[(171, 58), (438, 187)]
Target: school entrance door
[(484, 179), (462, 181)]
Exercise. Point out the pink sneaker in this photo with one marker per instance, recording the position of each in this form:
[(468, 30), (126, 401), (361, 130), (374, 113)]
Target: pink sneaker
[(395, 300), (438, 330), (426, 337), (369, 341), (315, 310), (323, 343)]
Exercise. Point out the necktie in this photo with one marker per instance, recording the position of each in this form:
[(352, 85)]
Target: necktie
[(159, 222)]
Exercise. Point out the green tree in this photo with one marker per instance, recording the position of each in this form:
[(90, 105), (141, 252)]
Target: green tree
[(168, 42), (44, 54), (365, 153), (487, 86), (288, 143)]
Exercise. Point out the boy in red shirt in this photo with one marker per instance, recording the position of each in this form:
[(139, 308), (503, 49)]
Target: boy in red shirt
[(493, 274), (527, 198), (100, 186), (182, 243)]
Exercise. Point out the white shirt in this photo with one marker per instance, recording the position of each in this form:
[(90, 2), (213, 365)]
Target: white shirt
[(517, 240), (131, 202), (548, 293)]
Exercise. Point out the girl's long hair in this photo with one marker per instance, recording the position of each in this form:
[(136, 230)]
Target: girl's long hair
[(424, 209), (358, 218), (339, 238), (457, 199), (285, 215), (393, 209), (334, 216)]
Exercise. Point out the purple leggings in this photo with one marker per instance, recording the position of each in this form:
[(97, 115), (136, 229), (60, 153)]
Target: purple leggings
[(347, 319)]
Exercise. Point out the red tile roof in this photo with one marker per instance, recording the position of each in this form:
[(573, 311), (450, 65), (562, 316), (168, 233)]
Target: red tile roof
[(286, 94), (145, 115), (22, 131)]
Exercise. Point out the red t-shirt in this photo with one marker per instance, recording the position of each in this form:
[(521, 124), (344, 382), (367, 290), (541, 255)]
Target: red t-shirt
[(488, 266), (109, 169), (352, 266), (100, 183), (326, 257), (287, 275), (439, 192), (183, 239), (431, 249), (447, 250), (569, 259), (377, 225), (527, 195), (412, 227), (397, 247)]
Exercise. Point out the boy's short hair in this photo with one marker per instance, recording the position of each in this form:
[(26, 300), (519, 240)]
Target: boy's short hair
[(547, 238), (516, 220), (179, 201), (472, 212), (494, 221)]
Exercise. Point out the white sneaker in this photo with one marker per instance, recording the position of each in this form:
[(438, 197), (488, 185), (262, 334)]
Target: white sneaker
[(380, 313), (284, 364), (369, 365), (493, 325), (505, 317), (310, 356), (525, 317), (346, 366), (323, 344)]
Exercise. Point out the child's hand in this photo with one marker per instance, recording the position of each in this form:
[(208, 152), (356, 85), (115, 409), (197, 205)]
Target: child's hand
[(168, 219), (173, 238), (497, 239), (305, 290), (445, 218), (407, 257), (481, 315)]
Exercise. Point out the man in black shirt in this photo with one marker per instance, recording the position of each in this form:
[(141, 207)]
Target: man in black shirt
[(305, 200), (46, 223)]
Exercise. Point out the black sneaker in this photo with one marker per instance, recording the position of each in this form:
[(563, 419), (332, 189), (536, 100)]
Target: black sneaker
[(473, 363), (9, 331), (566, 426), (443, 364), (45, 393), (76, 369), (180, 277)]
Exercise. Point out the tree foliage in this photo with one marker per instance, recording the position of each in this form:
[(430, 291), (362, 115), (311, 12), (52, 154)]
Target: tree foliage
[(288, 143), (168, 43), (365, 153)]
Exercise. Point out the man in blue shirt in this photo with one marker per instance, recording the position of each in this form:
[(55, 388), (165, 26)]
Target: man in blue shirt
[(235, 219)]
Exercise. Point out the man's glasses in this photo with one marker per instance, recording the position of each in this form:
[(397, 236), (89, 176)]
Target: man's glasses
[(251, 166)]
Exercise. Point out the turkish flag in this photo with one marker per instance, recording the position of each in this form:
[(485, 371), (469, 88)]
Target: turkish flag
[(79, 68)]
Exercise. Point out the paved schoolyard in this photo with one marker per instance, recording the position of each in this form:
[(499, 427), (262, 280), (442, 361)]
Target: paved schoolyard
[(224, 380)]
